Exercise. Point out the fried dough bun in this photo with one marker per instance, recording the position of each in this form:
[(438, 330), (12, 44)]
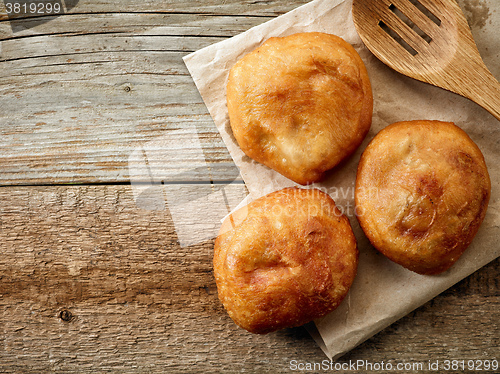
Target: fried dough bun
[(300, 104), (422, 191), (284, 259)]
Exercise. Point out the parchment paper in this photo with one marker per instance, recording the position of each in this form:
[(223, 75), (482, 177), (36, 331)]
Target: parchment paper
[(383, 291)]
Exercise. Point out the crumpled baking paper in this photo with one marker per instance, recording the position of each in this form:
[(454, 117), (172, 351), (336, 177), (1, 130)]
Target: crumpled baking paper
[(383, 291)]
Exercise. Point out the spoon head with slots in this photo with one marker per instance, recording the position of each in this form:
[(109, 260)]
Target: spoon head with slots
[(424, 39), (428, 40)]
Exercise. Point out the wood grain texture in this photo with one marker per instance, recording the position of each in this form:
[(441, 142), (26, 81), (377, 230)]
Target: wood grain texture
[(75, 107), (82, 92), (93, 277), (139, 302), (211, 7)]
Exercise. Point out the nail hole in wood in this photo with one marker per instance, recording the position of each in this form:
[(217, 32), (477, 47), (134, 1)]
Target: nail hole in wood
[(66, 315)]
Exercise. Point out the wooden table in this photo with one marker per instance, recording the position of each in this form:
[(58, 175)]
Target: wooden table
[(92, 282)]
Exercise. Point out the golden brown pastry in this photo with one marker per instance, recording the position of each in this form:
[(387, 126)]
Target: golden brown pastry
[(422, 190), (285, 259), (300, 104)]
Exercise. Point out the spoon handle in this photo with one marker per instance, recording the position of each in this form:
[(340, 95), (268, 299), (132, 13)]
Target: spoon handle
[(482, 87), (487, 94)]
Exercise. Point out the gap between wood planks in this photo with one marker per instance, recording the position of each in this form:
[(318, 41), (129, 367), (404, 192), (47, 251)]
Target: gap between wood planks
[(124, 183), (206, 14)]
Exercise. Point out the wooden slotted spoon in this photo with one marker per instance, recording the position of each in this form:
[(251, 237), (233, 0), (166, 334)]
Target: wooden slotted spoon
[(428, 40)]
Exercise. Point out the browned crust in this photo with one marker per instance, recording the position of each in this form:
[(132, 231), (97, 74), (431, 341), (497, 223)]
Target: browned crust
[(284, 260), (300, 104), (422, 191)]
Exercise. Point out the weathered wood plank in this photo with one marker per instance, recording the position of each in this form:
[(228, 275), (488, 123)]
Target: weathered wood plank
[(110, 93), (211, 7), (63, 45), (140, 302), (131, 24), (78, 121)]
